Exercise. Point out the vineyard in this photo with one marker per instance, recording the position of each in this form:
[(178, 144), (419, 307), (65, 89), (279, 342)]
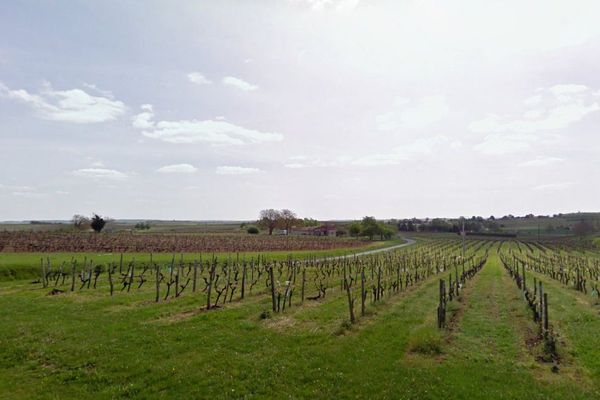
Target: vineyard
[(164, 243), (436, 319)]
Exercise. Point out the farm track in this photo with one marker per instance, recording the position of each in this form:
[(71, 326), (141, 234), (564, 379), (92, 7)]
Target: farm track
[(409, 242)]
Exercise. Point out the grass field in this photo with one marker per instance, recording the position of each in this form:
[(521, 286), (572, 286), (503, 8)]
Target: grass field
[(89, 345)]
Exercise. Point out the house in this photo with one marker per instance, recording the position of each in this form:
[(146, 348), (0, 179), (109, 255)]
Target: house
[(327, 229)]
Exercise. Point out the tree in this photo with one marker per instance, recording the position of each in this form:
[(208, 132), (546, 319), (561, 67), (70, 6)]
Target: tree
[(370, 227), (582, 228), (79, 221), (309, 222), (288, 219), (97, 223), (142, 226), (269, 219), (385, 232), (354, 229)]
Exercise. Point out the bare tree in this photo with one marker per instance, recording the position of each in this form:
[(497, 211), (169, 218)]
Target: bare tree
[(288, 219), (80, 222), (270, 219), (582, 228)]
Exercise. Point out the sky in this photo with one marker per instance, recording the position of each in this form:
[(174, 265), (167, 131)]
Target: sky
[(335, 109)]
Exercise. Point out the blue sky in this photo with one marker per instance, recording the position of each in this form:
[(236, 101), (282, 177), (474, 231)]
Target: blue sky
[(335, 109)]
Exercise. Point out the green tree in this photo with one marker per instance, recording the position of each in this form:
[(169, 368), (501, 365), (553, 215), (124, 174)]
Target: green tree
[(370, 227), (97, 223), (385, 232), (354, 229)]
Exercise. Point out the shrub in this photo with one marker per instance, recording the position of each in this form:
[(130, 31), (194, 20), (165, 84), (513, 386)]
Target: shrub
[(252, 230), (97, 223), (142, 225)]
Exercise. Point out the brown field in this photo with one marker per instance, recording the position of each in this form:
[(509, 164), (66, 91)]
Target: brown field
[(163, 243)]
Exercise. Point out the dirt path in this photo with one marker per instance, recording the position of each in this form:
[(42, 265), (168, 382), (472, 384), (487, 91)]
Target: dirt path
[(409, 242)]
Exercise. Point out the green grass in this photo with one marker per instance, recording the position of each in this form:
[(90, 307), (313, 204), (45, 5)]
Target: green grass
[(490, 343), (27, 265), (88, 345)]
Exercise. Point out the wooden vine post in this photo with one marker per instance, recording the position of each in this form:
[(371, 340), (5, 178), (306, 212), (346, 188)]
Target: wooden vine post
[(73, 271), (348, 286), (363, 292), (157, 277), (272, 282), (243, 291)]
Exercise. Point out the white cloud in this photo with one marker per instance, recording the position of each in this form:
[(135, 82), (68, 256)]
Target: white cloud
[(143, 120), (487, 124), (541, 162), (305, 162), (29, 195), (296, 165), (105, 93), (415, 150), (74, 105), (499, 144), (567, 89), (239, 83), (553, 186), (100, 173), (194, 131), (198, 78), (418, 148), (339, 5), (21, 191), (178, 169), (228, 170), (298, 157), (552, 108), (414, 115)]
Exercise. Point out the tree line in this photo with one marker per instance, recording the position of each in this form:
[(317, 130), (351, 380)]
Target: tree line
[(271, 219), (370, 227)]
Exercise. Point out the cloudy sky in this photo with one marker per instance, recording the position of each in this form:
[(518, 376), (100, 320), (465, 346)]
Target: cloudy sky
[(332, 108)]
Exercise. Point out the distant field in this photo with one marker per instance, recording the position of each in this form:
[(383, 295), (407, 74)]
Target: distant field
[(554, 226), (120, 226)]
